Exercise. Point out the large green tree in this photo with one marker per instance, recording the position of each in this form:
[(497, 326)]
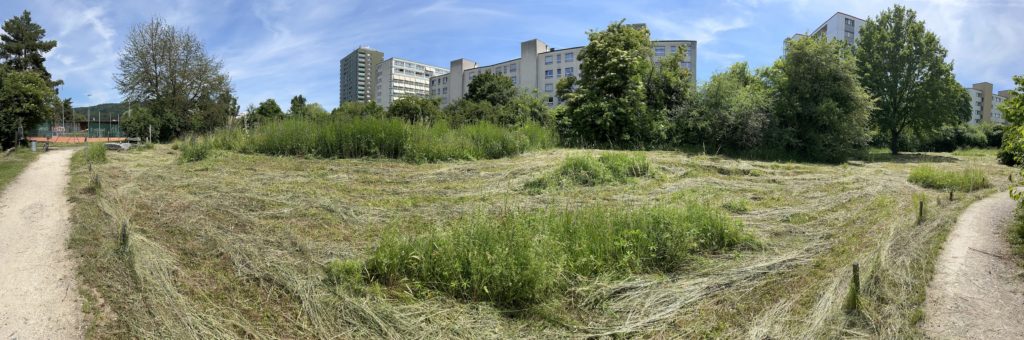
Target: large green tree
[(25, 101), (903, 66), (609, 104), (298, 107), (22, 47), (168, 71), (493, 88), (267, 110), (416, 109), (822, 111), (731, 111), (1013, 135)]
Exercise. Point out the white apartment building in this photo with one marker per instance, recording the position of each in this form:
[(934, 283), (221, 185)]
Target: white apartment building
[(840, 26), (397, 78), (985, 104), (539, 68)]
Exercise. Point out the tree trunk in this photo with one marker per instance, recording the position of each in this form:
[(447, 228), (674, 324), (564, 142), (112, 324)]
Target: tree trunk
[(894, 142)]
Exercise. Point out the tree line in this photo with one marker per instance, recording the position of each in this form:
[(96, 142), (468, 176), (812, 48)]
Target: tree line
[(28, 94)]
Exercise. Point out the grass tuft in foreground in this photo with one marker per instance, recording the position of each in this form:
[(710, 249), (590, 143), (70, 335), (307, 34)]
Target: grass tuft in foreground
[(95, 153), (523, 258), (193, 150), (966, 180), (587, 170)]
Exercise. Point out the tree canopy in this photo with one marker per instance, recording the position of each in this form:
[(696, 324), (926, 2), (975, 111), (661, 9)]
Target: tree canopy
[(493, 88), (902, 65), (22, 47), (816, 121), (298, 107), (168, 71), (416, 109), (609, 106), (25, 99)]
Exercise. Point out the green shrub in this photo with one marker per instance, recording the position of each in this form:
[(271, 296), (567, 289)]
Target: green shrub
[(522, 258), (965, 180), (193, 150), (587, 170), (96, 153), (738, 206)]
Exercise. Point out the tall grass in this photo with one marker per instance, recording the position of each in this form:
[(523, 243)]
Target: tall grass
[(587, 170), (95, 153), (354, 137), (522, 258), (193, 150), (965, 180)]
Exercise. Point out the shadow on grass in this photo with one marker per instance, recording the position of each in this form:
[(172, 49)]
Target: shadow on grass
[(886, 157)]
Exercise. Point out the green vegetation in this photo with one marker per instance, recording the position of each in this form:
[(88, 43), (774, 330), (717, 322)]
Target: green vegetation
[(519, 259), (193, 150), (965, 180), (903, 66), (587, 170), (355, 137), (13, 164), (1013, 135), (95, 153), (166, 70)]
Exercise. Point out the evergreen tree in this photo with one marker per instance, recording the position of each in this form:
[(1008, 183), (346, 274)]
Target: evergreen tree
[(22, 46)]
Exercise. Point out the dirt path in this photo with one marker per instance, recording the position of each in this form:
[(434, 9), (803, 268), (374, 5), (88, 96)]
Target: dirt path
[(38, 298), (977, 291)]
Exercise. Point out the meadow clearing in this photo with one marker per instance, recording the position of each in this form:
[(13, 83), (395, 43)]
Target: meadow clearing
[(253, 246)]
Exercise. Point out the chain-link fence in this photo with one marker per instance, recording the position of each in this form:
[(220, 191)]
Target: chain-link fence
[(78, 129)]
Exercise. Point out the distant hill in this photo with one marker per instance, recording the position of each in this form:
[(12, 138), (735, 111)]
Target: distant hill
[(104, 112)]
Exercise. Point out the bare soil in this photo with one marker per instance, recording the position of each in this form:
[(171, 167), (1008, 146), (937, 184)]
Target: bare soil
[(38, 295), (977, 291)]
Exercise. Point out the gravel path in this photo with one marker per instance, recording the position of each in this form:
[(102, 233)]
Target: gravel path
[(38, 298), (977, 291)]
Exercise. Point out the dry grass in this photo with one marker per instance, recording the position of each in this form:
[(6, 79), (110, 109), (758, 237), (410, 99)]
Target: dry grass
[(234, 247)]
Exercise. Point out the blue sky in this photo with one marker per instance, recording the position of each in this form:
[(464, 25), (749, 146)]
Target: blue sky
[(280, 48)]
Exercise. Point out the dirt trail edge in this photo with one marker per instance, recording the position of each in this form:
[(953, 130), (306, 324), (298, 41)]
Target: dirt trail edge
[(38, 295), (977, 291)]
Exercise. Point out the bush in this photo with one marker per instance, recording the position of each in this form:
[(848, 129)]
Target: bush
[(522, 258), (193, 150), (415, 109), (586, 170), (96, 153), (966, 180)]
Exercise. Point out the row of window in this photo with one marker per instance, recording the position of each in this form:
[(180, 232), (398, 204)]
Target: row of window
[(548, 74), (659, 51), (569, 57)]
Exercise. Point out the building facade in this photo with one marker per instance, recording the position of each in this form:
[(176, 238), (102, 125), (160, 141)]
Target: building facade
[(358, 75), (841, 26), (397, 78), (538, 68), (985, 104)]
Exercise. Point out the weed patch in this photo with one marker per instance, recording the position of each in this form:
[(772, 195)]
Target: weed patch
[(587, 170), (95, 153), (966, 180), (520, 259), (193, 150)]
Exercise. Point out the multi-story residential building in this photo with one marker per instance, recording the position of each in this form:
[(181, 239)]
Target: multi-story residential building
[(397, 78), (840, 26), (358, 77), (985, 104), (539, 68)]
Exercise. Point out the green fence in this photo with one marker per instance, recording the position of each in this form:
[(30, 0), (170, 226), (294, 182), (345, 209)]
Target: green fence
[(83, 129)]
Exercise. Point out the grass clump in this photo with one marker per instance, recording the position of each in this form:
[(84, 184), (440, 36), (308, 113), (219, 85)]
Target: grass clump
[(587, 170), (193, 150), (966, 180), (95, 153), (737, 206), (343, 272), (520, 259)]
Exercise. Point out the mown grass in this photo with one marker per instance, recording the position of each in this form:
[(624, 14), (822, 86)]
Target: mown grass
[(587, 170), (357, 137), (243, 245), (965, 180), (12, 165), (520, 259)]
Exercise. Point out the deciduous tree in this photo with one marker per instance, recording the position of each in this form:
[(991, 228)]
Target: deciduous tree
[(903, 66)]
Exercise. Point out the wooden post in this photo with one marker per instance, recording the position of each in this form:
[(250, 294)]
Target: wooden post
[(852, 303), (920, 212), (951, 195)]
